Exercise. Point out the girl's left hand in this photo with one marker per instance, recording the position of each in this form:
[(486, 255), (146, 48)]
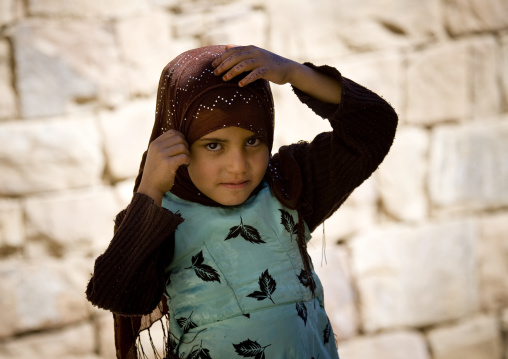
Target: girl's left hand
[(261, 63)]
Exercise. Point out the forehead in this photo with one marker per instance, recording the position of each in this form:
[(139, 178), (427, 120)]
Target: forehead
[(228, 134)]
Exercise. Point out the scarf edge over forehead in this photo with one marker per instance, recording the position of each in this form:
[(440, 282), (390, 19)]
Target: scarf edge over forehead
[(187, 96)]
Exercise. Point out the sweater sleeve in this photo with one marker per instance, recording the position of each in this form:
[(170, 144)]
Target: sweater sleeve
[(128, 277), (317, 177)]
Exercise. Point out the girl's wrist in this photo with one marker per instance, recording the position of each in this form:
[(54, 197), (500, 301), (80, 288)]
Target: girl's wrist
[(151, 192)]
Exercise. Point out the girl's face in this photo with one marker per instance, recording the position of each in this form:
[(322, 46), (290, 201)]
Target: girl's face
[(228, 164)]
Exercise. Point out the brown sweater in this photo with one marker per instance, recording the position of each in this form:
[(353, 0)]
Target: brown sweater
[(315, 178)]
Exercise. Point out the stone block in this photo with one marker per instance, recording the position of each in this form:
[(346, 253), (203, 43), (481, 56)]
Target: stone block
[(12, 232), (145, 59), (41, 295), (8, 107), (331, 264), (372, 24), (485, 70), (357, 214), (126, 136), (39, 156), (124, 191), (305, 31), (504, 68), (238, 25), (438, 84), (75, 342), (106, 336), (294, 121), (87, 8), (55, 74), (402, 175), (394, 345), (493, 261), (416, 276), (468, 167), (9, 11), (468, 16), (73, 222), (472, 338), (364, 69)]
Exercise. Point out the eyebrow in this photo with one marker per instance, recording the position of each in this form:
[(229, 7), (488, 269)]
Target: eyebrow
[(210, 139)]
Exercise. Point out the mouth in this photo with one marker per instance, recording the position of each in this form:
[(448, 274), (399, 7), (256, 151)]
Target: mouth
[(235, 184)]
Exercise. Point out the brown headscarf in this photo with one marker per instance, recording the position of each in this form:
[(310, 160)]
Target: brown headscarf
[(194, 101)]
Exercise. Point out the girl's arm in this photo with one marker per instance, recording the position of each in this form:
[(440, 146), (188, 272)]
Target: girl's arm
[(320, 175), (128, 277)]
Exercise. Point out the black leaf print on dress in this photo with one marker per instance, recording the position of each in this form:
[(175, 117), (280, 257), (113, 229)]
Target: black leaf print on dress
[(186, 323), (288, 222), (307, 279), (301, 309), (248, 233), (200, 353), (267, 286), (327, 332), (249, 349), (203, 271)]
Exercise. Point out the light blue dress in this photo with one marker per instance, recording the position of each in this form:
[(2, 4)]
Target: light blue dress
[(237, 285)]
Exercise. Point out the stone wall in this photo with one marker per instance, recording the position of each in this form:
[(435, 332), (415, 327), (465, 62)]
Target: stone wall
[(416, 261)]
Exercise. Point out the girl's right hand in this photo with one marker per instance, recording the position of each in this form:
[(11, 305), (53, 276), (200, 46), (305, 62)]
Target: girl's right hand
[(165, 154)]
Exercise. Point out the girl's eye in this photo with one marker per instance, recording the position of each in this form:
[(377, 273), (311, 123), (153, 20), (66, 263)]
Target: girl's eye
[(213, 146), (253, 141)]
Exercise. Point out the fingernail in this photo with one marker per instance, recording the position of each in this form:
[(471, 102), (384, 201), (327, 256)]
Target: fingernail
[(225, 77)]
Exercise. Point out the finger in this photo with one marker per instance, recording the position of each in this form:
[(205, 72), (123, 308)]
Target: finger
[(230, 49), (243, 66), (231, 57), (256, 74)]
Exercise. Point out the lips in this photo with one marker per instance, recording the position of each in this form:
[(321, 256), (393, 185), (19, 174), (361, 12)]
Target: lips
[(235, 184)]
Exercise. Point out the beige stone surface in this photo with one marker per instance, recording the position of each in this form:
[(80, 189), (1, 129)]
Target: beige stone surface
[(402, 175), (416, 275), (474, 338), (392, 345), (465, 16), (374, 24), (9, 11), (76, 222), (87, 8), (331, 264), (504, 69), (357, 214), (493, 260), (388, 83), (12, 231), (145, 59), (236, 24), (467, 165), (438, 83), (74, 342), (305, 31), (41, 294), (8, 106), (486, 72), (49, 155), (56, 74), (106, 336), (126, 135)]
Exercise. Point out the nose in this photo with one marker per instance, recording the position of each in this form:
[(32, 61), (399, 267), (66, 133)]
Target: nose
[(237, 161)]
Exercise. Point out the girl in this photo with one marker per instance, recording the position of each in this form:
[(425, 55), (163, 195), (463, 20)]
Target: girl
[(218, 226)]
